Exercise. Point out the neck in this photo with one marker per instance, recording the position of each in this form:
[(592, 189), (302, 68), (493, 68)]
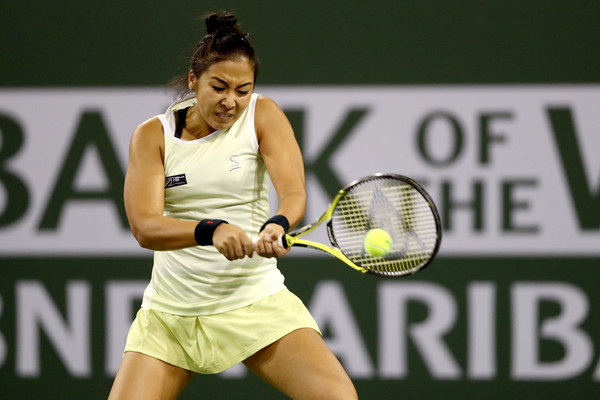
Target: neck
[(195, 126)]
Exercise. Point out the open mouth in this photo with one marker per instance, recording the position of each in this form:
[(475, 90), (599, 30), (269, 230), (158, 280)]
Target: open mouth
[(224, 116)]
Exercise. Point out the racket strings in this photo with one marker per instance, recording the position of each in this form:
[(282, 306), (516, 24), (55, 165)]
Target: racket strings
[(394, 206)]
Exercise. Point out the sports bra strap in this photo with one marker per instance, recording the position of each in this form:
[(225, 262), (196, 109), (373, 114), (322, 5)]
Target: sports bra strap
[(181, 114)]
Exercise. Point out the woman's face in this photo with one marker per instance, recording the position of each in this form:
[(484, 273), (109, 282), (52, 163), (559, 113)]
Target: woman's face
[(223, 92)]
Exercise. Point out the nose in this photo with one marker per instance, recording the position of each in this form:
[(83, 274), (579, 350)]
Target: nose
[(228, 101)]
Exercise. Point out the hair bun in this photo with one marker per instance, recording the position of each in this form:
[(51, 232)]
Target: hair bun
[(218, 21)]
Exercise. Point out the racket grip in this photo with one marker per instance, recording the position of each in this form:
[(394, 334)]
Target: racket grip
[(281, 240)]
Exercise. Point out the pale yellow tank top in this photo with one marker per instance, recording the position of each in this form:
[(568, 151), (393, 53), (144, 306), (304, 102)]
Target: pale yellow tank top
[(218, 176)]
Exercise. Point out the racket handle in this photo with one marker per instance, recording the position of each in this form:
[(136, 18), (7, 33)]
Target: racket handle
[(280, 241)]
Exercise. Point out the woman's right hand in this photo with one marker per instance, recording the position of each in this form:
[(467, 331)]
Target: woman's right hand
[(232, 242)]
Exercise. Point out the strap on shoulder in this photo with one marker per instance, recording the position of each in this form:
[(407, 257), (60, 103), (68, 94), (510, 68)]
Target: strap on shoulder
[(180, 124)]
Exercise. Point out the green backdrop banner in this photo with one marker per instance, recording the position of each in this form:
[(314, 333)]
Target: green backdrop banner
[(509, 327), (496, 107)]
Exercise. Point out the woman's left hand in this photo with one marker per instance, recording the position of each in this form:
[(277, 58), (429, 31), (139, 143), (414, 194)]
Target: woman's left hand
[(267, 244)]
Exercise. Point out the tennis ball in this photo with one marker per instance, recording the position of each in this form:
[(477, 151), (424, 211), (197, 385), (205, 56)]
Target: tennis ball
[(377, 242)]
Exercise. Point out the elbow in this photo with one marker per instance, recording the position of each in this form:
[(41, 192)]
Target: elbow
[(144, 240), (146, 244)]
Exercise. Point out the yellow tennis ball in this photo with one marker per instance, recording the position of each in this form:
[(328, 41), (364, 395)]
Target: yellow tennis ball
[(377, 242)]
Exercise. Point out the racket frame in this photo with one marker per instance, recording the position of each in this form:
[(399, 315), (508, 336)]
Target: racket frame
[(293, 238)]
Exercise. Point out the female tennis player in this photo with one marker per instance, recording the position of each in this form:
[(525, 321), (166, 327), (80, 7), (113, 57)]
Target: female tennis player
[(196, 193)]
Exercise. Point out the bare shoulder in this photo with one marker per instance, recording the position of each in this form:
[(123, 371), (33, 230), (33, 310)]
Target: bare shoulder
[(148, 132), (268, 116), (267, 108), (147, 143), (149, 129), (265, 103)]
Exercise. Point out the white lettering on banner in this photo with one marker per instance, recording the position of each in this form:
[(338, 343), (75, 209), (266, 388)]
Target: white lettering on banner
[(564, 329), (481, 297), (426, 335), (70, 337), (513, 169), (37, 312)]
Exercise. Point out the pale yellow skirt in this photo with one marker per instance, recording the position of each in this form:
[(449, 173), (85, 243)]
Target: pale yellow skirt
[(210, 344)]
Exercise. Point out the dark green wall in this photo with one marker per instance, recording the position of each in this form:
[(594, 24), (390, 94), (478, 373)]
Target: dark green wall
[(123, 43)]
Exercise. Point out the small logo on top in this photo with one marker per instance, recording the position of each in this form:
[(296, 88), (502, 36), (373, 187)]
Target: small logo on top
[(235, 163), (175, 180)]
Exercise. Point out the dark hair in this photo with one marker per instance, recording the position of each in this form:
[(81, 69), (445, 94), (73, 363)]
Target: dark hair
[(224, 40)]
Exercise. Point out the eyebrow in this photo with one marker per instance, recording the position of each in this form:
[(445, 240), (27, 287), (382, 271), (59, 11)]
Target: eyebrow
[(227, 83)]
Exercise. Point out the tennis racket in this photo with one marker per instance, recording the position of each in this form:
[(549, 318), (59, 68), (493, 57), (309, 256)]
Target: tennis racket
[(394, 203)]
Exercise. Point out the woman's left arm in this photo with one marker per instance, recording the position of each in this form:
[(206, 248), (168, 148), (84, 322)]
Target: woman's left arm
[(283, 159)]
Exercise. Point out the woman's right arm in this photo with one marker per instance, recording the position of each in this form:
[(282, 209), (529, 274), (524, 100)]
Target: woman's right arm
[(144, 202), (144, 193)]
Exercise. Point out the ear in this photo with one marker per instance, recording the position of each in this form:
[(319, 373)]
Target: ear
[(191, 80)]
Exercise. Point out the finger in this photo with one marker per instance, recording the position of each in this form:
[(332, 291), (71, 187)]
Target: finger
[(264, 249), (230, 253), (280, 251), (239, 251), (248, 247), (225, 253), (279, 248), (261, 247)]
